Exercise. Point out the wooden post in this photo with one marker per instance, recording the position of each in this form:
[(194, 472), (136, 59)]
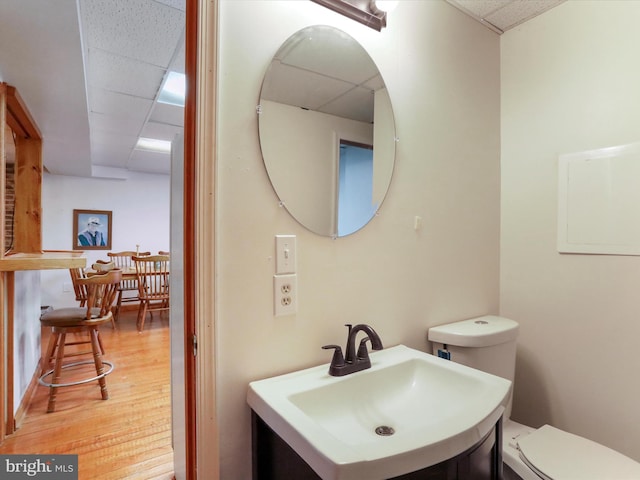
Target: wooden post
[(27, 227), (27, 230), (28, 172), (3, 275)]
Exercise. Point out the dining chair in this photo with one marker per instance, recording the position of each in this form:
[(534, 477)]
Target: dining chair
[(79, 289), (163, 252), (100, 267), (102, 290), (153, 285), (129, 284)]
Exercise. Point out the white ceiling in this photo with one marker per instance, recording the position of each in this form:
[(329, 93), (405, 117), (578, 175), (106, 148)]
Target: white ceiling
[(501, 15), (90, 72)]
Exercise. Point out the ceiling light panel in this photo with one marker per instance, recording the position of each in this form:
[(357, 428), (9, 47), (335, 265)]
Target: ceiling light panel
[(173, 90), (153, 145)]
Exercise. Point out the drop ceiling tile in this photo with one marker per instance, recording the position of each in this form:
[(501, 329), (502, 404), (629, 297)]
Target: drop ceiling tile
[(518, 12), (123, 75), (109, 157), (300, 87), (169, 114), (375, 83), (118, 105), (177, 64), (317, 54), (481, 8), (115, 125), (357, 104), (111, 149), (153, 162), (179, 4), (143, 30), (123, 142), (161, 131)]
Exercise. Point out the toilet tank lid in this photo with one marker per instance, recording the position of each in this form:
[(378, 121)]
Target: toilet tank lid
[(483, 331)]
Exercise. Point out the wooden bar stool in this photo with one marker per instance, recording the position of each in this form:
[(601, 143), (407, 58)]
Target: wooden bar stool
[(102, 290), (80, 291)]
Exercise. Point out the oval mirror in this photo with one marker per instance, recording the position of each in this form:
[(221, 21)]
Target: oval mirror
[(326, 130)]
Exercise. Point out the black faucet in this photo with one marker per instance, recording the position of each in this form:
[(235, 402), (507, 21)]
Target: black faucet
[(352, 361)]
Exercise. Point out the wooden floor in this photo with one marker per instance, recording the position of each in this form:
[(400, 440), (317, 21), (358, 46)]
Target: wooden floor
[(125, 437)]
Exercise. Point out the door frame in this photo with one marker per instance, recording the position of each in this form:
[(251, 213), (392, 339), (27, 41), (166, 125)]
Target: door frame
[(201, 51)]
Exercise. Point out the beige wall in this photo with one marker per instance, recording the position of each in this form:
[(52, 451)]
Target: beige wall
[(442, 72), (570, 82)]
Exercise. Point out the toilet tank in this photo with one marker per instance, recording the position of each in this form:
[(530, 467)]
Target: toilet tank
[(486, 343)]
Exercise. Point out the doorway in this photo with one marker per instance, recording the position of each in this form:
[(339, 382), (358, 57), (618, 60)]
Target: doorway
[(355, 186)]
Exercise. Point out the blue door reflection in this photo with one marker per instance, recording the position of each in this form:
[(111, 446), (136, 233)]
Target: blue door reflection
[(355, 187)]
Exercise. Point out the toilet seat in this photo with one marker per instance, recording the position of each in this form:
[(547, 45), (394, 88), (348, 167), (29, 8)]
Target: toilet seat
[(557, 455)]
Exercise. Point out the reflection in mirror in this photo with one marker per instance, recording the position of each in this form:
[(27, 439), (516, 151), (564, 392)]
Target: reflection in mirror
[(326, 131)]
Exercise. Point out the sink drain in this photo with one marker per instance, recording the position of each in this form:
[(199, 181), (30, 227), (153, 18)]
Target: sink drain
[(385, 431)]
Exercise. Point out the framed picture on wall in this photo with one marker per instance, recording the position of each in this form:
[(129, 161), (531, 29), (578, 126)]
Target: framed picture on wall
[(91, 230)]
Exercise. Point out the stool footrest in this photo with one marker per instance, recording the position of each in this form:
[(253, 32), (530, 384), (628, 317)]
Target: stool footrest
[(42, 381)]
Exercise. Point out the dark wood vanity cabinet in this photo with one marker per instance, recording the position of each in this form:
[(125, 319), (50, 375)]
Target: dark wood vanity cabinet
[(274, 459)]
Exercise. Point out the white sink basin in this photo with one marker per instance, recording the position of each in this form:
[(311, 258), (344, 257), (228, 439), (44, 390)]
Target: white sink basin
[(436, 408)]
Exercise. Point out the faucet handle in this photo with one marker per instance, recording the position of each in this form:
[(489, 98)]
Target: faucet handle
[(338, 358), (363, 353)]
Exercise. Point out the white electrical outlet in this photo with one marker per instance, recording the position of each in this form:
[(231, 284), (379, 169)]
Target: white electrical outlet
[(285, 294), (67, 287)]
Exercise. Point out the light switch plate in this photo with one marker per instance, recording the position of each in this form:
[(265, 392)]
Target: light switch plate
[(285, 254)]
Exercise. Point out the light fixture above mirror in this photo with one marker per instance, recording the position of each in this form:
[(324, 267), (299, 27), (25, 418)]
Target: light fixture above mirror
[(382, 6), (372, 13)]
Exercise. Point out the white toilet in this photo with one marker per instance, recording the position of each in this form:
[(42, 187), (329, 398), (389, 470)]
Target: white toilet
[(489, 344)]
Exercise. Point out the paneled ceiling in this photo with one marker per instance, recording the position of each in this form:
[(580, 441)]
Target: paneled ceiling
[(130, 45), (502, 15), (90, 72), (318, 70)]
